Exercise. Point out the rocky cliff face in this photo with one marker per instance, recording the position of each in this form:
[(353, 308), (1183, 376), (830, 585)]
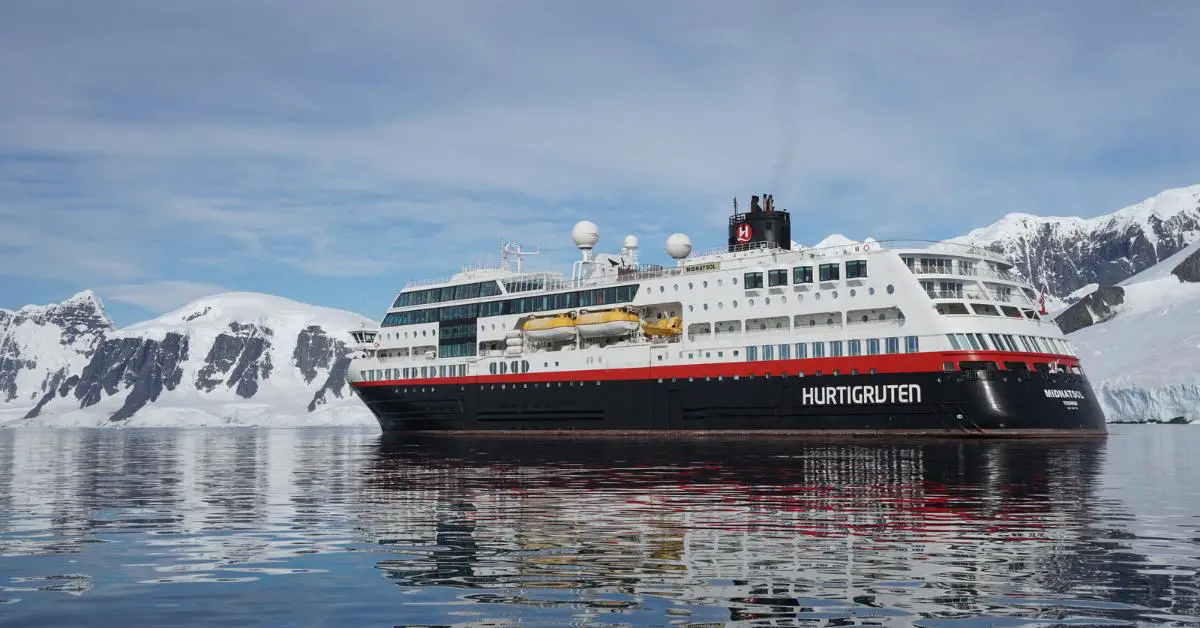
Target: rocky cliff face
[(1068, 253), (238, 354)]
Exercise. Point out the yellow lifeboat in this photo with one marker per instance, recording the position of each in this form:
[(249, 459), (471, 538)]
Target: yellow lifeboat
[(554, 328), (672, 326), (605, 323)]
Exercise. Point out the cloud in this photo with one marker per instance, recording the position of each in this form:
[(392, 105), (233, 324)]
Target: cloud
[(140, 140), (158, 296)]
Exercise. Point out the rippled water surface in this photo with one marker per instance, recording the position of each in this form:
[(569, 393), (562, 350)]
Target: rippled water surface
[(328, 527)]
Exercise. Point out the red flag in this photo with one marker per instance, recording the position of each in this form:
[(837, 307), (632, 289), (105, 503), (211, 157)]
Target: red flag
[(1042, 300)]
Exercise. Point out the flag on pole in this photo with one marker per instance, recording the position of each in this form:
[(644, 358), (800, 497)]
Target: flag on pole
[(1042, 300)]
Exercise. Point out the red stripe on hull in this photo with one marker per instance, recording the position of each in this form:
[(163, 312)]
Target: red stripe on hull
[(890, 363)]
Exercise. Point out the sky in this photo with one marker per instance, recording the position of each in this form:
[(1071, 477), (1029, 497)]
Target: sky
[(157, 152)]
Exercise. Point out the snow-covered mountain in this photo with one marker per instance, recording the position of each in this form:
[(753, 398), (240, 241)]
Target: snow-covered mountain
[(1140, 341), (1068, 254), (237, 358), (41, 345)]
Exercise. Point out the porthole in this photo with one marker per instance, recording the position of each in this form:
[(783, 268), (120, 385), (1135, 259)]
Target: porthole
[(871, 291), (705, 283), (751, 302), (735, 304), (891, 288), (817, 296), (690, 286), (662, 289), (706, 306), (719, 282), (853, 292), (675, 287), (691, 308), (720, 305), (767, 301), (835, 294), (734, 280), (783, 299)]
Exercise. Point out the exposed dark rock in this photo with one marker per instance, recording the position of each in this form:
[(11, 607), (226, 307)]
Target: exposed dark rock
[(1096, 307), (158, 368), (334, 384), (237, 360), (314, 350), (142, 366), (194, 315), (1189, 269)]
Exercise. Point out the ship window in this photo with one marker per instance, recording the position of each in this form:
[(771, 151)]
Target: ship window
[(753, 280), (954, 342), (801, 350), (982, 341), (768, 352), (872, 346), (997, 342), (785, 352), (818, 349), (835, 348), (856, 269), (912, 344), (854, 347), (892, 345), (777, 277), (829, 272), (802, 274), (1016, 366), (751, 354)]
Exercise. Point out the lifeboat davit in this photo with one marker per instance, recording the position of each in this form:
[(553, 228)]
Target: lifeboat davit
[(556, 328), (607, 323)]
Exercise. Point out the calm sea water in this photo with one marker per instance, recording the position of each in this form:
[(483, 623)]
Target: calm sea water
[(333, 527)]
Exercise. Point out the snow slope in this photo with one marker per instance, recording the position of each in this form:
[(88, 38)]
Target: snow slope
[(1144, 362), (230, 359)]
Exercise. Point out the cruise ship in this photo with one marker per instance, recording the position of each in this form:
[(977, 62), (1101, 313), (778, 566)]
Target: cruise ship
[(758, 337)]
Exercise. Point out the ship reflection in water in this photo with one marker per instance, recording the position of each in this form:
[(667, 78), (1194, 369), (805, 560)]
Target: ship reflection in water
[(786, 533), (320, 527)]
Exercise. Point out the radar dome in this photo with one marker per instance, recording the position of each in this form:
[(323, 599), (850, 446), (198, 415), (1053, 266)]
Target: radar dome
[(679, 246), (631, 242), (585, 234)]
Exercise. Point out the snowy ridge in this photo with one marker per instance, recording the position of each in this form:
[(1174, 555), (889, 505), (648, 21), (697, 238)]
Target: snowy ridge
[(1068, 253), (232, 359)]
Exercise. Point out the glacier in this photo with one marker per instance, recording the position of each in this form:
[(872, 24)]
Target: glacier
[(1142, 356)]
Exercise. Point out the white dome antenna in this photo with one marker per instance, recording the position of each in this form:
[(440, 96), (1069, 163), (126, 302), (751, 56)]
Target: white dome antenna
[(679, 246), (629, 250), (585, 234)]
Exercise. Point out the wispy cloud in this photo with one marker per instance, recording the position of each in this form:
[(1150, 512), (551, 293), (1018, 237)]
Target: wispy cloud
[(158, 296), (230, 142)]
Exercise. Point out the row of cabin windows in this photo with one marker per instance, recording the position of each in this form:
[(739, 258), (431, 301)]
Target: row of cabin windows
[(1009, 342), (855, 269), (523, 305), (836, 349), (448, 293), (415, 372)]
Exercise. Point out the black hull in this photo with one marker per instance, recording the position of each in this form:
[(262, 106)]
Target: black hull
[(958, 404)]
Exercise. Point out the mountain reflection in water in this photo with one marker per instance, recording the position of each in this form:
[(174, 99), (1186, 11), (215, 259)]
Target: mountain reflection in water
[(311, 527)]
